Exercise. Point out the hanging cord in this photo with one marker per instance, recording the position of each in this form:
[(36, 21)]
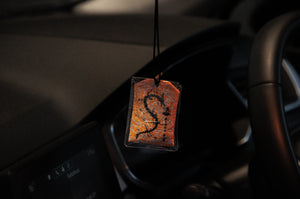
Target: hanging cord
[(156, 47), (156, 31)]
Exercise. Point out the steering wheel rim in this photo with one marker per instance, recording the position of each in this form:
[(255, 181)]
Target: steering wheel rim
[(275, 154)]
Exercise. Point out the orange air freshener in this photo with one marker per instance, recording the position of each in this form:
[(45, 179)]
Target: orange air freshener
[(153, 112)]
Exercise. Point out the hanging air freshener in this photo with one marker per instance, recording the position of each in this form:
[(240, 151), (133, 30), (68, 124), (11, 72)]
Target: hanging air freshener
[(153, 112), (153, 108)]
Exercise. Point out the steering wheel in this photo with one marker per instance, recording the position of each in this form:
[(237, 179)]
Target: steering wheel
[(274, 152)]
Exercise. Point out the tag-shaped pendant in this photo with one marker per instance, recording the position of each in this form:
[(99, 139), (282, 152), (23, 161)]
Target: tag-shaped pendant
[(153, 112)]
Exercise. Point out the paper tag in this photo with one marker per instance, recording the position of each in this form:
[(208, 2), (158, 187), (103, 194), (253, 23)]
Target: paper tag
[(153, 112)]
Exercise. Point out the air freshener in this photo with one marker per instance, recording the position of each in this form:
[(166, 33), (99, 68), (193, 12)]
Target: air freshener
[(152, 114)]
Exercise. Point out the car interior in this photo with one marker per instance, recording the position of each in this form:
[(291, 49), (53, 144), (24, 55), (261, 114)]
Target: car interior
[(66, 70)]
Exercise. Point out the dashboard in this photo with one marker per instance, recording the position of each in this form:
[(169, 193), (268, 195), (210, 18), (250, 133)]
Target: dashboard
[(65, 84), (58, 169)]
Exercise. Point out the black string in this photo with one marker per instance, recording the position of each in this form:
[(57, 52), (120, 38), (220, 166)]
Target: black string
[(157, 26), (156, 47), (155, 31)]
